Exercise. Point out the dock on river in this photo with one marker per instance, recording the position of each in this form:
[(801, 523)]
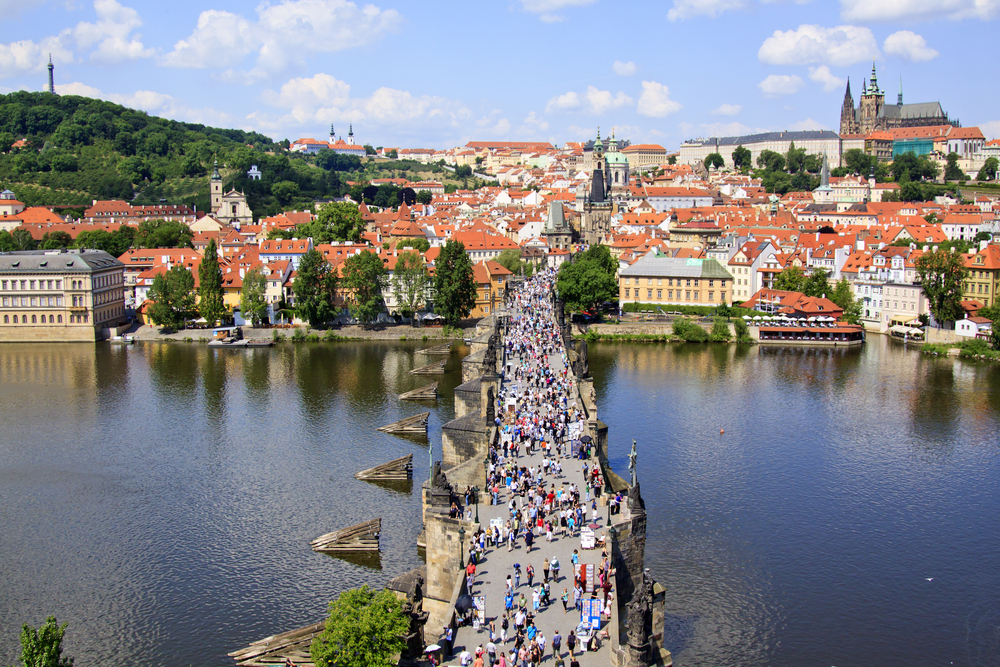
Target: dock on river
[(426, 393)]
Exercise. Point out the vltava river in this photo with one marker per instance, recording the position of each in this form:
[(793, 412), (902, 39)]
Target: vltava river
[(161, 498)]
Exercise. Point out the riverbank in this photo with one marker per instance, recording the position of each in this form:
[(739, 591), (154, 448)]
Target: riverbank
[(304, 333)]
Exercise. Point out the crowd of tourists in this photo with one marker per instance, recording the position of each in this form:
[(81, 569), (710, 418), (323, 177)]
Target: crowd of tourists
[(540, 442)]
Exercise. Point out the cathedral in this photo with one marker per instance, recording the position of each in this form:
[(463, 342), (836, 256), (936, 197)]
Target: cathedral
[(873, 114)]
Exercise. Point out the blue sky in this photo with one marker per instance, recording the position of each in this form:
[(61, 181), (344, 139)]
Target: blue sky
[(438, 74)]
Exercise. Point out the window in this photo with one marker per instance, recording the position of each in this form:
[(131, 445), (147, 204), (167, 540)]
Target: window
[(649, 294), (711, 296), (659, 294), (626, 292), (711, 283), (695, 282), (59, 319), (649, 281), (722, 284), (659, 282), (34, 319), (6, 319), (670, 282), (31, 284), (34, 301), (59, 301), (58, 284), (722, 296), (688, 283), (24, 302), (3, 284), (50, 320)]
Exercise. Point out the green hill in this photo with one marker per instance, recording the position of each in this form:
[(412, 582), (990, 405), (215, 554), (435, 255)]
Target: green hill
[(79, 149)]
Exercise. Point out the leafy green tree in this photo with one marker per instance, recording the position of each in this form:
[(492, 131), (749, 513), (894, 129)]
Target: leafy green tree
[(816, 284), (114, 243), (43, 647), (843, 296), (424, 197), (813, 164), (253, 297), (454, 283), (365, 628), (463, 171), (7, 243), (858, 162), (420, 245), (56, 240), (163, 234), (315, 287), (211, 304), (172, 294), (988, 172), (909, 167), (23, 240), (341, 222), (588, 281), (393, 154), (942, 275), (364, 276), (741, 157), (672, 159), (795, 158), (720, 331), (285, 191), (791, 279), (409, 282), (771, 161), (952, 172), (370, 150), (742, 331), (714, 160), (510, 259)]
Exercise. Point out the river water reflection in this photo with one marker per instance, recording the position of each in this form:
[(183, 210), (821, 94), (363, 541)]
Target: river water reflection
[(160, 498)]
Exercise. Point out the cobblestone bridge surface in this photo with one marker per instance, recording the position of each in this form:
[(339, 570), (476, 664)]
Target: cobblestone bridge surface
[(531, 323)]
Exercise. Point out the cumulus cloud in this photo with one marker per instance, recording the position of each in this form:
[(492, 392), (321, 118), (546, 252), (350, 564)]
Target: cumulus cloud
[(727, 110), (546, 9), (918, 10), (109, 40), (686, 9), (624, 69), (655, 101), (594, 101), (155, 103), (779, 85), (535, 122), (990, 129), (823, 76), (281, 36), (320, 98), (909, 46), (843, 45)]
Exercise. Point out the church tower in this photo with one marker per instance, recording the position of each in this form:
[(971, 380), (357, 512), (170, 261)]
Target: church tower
[(215, 188), (848, 121), (350, 135), (871, 105), (333, 136), (52, 80)]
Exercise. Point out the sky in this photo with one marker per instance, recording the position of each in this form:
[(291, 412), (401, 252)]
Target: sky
[(439, 74)]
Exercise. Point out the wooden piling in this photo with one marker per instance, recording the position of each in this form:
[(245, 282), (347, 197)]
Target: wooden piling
[(272, 651), (437, 349), (430, 369), (415, 425), (397, 469), (359, 537), (426, 393)]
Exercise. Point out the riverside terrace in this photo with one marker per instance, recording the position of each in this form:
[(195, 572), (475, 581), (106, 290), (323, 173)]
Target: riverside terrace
[(631, 634)]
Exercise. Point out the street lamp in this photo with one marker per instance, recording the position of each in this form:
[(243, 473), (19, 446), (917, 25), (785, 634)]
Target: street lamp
[(461, 547), (476, 489)]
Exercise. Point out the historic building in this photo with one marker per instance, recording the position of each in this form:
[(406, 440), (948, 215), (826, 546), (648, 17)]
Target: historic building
[(229, 208), (60, 295), (558, 233), (596, 205), (872, 113)]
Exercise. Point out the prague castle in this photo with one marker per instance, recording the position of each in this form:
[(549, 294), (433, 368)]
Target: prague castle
[(873, 114)]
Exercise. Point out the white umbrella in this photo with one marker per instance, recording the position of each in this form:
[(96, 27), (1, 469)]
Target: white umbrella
[(432, 648), (747, 317)]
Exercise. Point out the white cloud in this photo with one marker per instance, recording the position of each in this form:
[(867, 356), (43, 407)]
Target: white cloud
[(112, 33), (779, 85), (727, 110), (592, 101), (686, 9), (624, 69), (535, 122), (733, 129), (155, 103), (909, 46), (843, 45), (918, 10), (281, 36), (990, 129), (26, 56), (319, 99), (822, 75), (546, 8), (807, 124), (655, 101)]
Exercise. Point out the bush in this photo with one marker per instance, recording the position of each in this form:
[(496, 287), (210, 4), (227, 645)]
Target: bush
[(330, 335), (934, 348), (722, 310), (313, 338), (299, 335), (742, 331), (689, 331), (977, 348), (720, 331)]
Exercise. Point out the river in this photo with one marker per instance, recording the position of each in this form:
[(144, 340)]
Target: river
[(160, 498)]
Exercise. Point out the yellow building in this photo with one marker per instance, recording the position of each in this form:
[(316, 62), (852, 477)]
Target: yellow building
[(984, 275), (672, 281), (491, 282)]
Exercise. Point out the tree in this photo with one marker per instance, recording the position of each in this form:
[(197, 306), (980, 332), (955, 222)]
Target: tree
[(794, 158), (114, 243), (23, 240), (843, 296), (720, 330), (253, 297), (510, 259), (393, 154), (463, 171), (172, 294), (56, 240), (672, 159), (952, 171), (424, 197), (314, 288), (588, 281), (454, 283), (816, 284), (942, 274), (163, 234), (858, 162), (364, 277), (420, 245), (211, 304), (771, 161), (370, 150), (43, 647), (365, 628), (714, 160), (791, 279), (409, 282), (340, 222), (989, 170), (741, 157)]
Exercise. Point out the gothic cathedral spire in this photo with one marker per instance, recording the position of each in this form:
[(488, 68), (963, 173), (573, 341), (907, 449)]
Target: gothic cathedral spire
[(847, 116)]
